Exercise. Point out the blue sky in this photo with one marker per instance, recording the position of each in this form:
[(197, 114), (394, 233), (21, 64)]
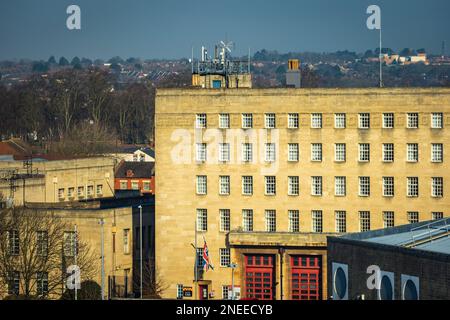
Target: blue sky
[(37, 29)]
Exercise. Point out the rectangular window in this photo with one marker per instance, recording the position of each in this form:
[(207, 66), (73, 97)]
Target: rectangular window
[(388, 120), (179, 291), (270, 120), (412, 121), (224, 121), (388, 152), (224, 185), (42, 243), (225, 292), (270, 152), (123, 186), (364, 221), (271, 221), (224, 220), (14, 283), (413, 217), (294, 220), (293, 122), (364, 186), (91, 191), (146, 186), (340, 186), (271, 185), (293, 186), (70, 192), (61, 193), (202, 185), (247, 185), (364, 120), (199, 258), (247, 121), (437, 215), (340, 152), (364, 152), (14, 242), (202, 220), (341, 221), (247, 220), (225, 258), (316, 120), (388, 219), (388, 186), (437, 187), (135, 185), (247, 152), (99, 189), (126, 241), (42, 283), (200, 121), (224, 152), (81, 189), (316, 186), (201, 152), (293, 152), (436, 121), (317, 221), (412, 152), (437, 152), (412, 187), (316, 152), (340, 121), (70, 243)]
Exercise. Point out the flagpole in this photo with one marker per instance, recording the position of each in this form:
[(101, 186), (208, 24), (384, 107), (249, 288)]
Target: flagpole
[(196, 262)]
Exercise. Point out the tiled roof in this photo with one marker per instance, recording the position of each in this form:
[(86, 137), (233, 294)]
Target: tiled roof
[(135, 170)]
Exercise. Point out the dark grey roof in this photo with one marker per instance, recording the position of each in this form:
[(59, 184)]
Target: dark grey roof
[(138, 169)]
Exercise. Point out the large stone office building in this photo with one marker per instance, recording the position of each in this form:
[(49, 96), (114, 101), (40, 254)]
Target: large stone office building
[(264, 175)]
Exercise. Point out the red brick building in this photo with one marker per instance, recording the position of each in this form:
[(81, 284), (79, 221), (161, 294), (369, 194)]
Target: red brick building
[(135, 176)]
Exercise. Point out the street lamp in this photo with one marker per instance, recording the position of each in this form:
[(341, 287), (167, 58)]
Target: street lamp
[(102, 224), (140, 247), (232, 266)]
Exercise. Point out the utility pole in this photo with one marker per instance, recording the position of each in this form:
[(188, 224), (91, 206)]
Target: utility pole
[(102, 223), (381, 62), (140, 247), (76, 257)]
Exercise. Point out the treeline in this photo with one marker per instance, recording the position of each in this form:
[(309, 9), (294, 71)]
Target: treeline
[(84, 107)]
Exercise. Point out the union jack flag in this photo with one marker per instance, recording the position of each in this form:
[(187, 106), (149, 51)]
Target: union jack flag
[(206, 261)]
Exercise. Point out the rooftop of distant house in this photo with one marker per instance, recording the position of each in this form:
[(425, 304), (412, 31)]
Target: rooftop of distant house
[(129, 149), (135, 170), (17, 150)]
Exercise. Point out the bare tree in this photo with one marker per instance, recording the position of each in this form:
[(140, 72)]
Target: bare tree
[(35, 251), (153, 286), (86, 140)]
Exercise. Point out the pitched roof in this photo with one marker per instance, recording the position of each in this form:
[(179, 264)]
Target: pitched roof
[(14, 147), (135, 170)]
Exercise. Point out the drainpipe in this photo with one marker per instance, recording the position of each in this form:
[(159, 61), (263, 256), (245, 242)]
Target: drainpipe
[(281, 252)]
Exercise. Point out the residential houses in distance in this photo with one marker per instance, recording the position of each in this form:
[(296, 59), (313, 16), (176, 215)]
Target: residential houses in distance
[(81, 191)]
